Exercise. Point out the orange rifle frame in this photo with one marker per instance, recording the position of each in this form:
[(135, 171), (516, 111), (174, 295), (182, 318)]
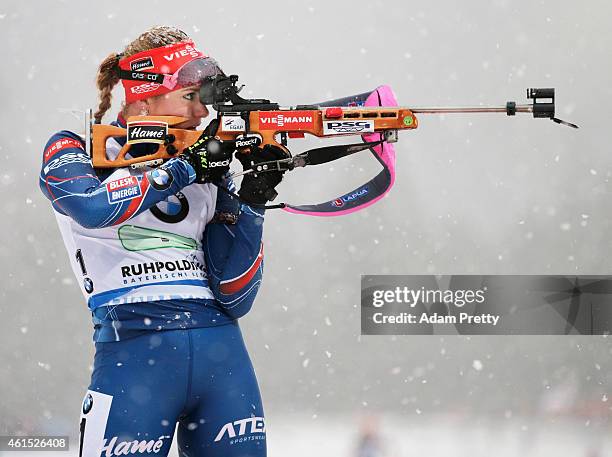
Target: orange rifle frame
[(384, 119)]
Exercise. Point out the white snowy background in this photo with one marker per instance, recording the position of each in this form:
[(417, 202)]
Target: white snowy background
[(481, 194)]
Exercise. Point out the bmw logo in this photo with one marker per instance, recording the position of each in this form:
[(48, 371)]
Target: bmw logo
[(87, 403), (172, 210), (88, 285), (160, 179)]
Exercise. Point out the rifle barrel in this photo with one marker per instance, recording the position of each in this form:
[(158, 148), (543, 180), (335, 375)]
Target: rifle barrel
[(474, 109)]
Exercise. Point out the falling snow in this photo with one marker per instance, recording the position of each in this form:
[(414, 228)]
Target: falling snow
[(473, 195)]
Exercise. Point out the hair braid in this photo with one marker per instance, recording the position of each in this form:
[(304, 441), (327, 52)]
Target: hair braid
[(106, 80), (107, 77)]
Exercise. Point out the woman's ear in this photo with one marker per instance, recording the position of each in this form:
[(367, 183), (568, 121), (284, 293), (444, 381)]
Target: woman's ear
[(143, 107), (137, 108)]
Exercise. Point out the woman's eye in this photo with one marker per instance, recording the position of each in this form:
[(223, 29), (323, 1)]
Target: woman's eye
[(189, 96)]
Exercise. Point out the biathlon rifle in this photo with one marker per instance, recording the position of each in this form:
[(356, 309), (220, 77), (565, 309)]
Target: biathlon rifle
[(252, 123)]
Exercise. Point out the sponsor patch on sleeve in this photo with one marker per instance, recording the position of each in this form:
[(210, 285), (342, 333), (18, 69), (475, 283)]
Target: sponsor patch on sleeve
[(60, 145), (123, 189), (67, 159)]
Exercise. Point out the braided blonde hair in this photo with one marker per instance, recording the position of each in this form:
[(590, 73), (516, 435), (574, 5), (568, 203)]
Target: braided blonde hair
[(107, 77)]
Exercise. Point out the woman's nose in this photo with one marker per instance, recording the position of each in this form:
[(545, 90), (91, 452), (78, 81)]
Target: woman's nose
[(200, 110)]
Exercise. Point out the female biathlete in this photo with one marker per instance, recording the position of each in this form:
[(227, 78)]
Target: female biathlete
[(167, 265)]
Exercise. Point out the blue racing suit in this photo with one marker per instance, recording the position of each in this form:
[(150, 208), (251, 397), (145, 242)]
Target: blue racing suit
[(165, 285)]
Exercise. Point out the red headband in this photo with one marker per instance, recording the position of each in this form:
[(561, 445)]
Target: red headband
[(166, 60)]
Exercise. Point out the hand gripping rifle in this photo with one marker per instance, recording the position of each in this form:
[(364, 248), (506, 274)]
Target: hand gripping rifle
[(252, 123)]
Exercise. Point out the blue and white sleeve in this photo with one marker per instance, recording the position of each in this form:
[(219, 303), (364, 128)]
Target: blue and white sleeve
[(234, 257), (68, 179)]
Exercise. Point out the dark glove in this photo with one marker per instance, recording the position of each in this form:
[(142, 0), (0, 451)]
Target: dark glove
[(210, 158), (258, 188)]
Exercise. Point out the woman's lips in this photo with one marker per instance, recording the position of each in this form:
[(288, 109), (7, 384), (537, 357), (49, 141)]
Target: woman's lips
[(190, 125)]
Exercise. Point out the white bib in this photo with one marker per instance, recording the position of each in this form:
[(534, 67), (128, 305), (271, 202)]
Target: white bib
[(156, 255)]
